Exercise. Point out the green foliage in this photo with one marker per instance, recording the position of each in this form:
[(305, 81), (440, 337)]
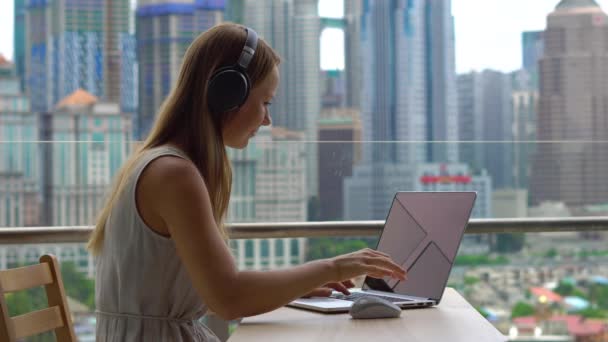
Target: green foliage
[(521, 309), (593, 313), (482, 311), (598, 294), (22, 302), (478, 259), (551, 253), (509, 243), (77, 285), (564, 289), (578, 293), (321, 248), (470, 280), (585, 254)]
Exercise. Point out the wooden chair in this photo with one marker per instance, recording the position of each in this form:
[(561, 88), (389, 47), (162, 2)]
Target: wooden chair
[(56, 317)]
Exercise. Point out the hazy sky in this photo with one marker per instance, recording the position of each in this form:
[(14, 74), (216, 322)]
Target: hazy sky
[(488, 32)]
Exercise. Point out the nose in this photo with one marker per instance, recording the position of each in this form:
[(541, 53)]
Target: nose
[(267, 119)]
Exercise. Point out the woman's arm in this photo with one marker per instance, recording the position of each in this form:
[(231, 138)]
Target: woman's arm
[(179, 195)]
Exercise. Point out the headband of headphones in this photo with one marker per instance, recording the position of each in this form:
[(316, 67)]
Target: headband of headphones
[(251, 43)]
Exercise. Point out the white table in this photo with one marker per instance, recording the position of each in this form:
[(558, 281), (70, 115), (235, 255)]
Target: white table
[(454, 319)]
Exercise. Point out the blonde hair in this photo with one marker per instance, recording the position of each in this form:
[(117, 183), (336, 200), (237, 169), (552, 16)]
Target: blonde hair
[(184, 117)]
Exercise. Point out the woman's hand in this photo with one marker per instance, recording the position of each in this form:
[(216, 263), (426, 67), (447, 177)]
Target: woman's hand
[(365, 262), (327, 289)]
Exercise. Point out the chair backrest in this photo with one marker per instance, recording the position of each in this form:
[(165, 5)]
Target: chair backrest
[(54, 318)]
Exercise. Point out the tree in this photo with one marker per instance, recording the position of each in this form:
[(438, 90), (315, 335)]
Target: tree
[(22, 302), (551, 253), (564, 289), (599, 294), (77, 285), (593, 313), (522, 309)]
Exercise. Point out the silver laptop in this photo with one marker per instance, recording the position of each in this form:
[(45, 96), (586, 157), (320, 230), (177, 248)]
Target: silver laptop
[(422, 233)]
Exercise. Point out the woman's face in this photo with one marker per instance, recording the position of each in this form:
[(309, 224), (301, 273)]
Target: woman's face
[(243, 124)]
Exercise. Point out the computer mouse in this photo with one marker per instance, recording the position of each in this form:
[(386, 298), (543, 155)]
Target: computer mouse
[(374, 307)]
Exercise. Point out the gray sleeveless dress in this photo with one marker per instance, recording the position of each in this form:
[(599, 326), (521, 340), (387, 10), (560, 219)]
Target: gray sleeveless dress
[(142, 289)]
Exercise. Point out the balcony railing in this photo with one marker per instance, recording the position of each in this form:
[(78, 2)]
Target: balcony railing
[(76, 234), (80, 234)]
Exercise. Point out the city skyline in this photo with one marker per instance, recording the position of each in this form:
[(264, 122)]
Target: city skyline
[(500, 36)]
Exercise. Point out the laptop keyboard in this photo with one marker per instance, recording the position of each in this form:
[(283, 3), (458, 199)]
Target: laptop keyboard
[(356, 295)]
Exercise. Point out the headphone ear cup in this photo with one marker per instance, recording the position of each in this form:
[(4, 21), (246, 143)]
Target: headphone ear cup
[(227, 90)]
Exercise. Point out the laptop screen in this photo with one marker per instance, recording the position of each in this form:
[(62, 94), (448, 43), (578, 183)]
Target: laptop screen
[(422, 233)]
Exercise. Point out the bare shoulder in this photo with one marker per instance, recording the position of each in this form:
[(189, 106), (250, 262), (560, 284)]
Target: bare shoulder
[(169, 185), (168, 173), (172, 181)]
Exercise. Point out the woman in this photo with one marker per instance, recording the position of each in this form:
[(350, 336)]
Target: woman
[(160, 244)]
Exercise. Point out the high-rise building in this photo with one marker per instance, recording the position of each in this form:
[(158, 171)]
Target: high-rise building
[(19, 168), (269, 186), (339, 150), (165, 29), (573, 106), (333, 90), (396, 87), (293, 28), (234, 10), (485, 120), (281, 177), (525, 84), (442, 97), (79, 44), (525, 108), (533, 45), (353, 10), (91, 141), (421, 177), (456, 177), (19, 40), (394, 102)]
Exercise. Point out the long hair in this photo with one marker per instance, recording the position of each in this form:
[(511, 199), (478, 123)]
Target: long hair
[(184, 117)]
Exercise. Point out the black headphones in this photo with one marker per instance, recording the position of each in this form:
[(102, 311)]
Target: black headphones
[(229, 86)]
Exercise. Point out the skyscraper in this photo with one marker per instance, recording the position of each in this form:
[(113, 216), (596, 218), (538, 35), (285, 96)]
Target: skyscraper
[(269, 186), (393, 104), (394, 101), (525, 110), (77, 175), (19, 168), (573, 105), (442, 106), (19, 40), (234, 10), (79, 44), (486, 119), (340, 127), (353, 9), (533, 45), (293, 28), (165, 29)]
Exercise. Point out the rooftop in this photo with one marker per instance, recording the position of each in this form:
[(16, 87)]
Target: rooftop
[(3, 60), (576, 4), (549, 295), (78, 98), (284, 133), (577, 325)]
